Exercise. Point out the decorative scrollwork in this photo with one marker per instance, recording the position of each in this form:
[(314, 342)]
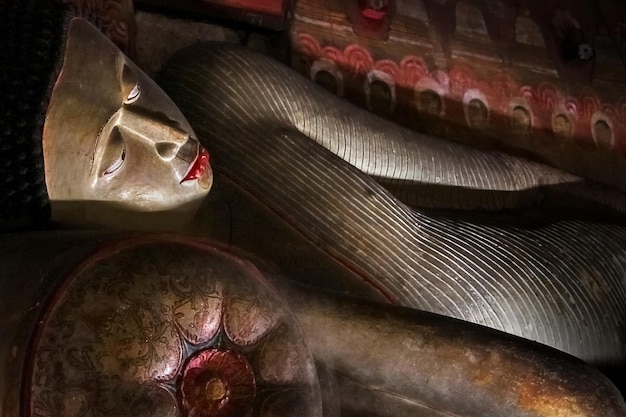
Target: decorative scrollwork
[(138, 331)]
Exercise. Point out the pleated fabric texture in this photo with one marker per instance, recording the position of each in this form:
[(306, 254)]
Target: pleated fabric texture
[(561, 283)]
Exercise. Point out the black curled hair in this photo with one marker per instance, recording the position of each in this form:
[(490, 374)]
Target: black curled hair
[(32, 40)]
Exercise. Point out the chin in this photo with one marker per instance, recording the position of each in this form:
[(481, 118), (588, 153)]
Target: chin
[(114, 215)]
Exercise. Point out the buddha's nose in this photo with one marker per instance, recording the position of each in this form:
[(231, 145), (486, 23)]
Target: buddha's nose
[(154, 131)]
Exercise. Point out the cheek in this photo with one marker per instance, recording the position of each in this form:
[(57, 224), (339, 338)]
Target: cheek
[(147, 187), (151, 192), (145, 197), (147, 183)]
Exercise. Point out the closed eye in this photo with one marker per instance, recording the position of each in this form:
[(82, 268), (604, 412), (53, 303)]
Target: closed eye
[(114, 154), (129, 84), (117, 164), (133, 95)]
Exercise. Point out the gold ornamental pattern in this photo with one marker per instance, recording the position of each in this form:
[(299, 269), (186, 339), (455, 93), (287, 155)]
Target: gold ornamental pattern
[(161, 328)]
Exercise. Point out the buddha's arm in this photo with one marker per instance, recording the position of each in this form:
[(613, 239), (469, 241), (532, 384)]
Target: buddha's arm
[(423, 171), (505, 275), (402, 362)]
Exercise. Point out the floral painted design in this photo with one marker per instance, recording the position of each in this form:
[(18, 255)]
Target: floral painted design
[(501, 87), (168, 329), (217, 383)]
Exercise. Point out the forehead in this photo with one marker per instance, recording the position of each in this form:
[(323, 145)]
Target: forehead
[(91, 66)]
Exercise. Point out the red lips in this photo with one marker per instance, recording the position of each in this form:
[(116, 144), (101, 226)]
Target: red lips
[(200, 166)]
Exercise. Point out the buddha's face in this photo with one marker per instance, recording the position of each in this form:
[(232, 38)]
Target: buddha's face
[(113, 141)]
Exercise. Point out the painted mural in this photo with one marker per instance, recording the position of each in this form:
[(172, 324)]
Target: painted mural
[(478, 81)]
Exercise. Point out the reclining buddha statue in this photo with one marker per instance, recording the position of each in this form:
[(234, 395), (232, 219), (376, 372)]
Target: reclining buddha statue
[(299, 184), (154, 325)]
